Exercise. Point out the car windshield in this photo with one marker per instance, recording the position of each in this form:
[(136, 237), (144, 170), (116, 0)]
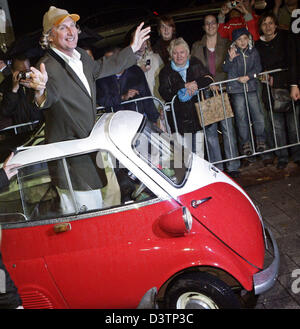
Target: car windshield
[(163, 153)]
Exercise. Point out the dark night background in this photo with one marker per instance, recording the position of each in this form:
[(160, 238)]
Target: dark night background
[(27, 16)]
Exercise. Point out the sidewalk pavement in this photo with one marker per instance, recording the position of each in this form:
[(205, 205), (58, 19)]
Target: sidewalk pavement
[(277, 194)]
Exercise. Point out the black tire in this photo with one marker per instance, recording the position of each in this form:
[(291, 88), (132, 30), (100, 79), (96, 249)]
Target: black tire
[(200, 291)]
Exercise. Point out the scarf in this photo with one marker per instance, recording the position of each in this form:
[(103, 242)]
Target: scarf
[(182, 93), (181, 70)]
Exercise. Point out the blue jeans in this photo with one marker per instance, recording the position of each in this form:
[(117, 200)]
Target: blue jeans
[(241, 117), (230, 144), (286, 133)]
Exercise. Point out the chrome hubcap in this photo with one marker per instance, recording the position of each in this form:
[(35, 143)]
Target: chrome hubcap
[(195, 300)]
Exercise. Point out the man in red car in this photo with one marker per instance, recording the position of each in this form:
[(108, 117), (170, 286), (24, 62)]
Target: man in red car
[(241, 14)]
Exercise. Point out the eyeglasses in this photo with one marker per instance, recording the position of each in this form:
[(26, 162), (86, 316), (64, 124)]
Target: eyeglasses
[(210, 23)]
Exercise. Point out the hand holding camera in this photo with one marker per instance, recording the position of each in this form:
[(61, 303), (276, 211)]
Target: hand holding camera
[(238, 5), (232, 4), (18, 78)]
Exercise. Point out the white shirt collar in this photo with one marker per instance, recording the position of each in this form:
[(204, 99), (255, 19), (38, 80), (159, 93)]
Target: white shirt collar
[(75, 56)]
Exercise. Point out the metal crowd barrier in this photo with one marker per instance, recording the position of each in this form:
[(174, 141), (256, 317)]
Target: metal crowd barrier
[(169, 107), (262, 76), (14, 128)]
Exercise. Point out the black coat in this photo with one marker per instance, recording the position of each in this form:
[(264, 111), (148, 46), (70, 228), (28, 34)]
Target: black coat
[(274, 55), (110, 90), (294, 59), (11, 298), (4, 182), (170, 82), (19, 105)]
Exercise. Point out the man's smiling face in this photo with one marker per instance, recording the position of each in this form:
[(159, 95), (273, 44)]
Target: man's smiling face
[(64, 37)]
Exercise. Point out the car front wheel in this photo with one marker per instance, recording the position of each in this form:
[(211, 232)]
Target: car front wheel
[(200, 291)]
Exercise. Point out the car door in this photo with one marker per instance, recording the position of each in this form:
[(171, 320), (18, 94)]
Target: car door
[(80, 254)]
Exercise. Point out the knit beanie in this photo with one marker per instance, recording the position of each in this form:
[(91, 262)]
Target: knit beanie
[(238, 32)]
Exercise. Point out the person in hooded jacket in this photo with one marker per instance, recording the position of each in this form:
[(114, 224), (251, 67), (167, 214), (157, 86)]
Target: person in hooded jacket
[(243, 62)]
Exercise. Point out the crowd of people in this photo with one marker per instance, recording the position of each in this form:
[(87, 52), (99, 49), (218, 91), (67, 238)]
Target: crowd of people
[(67, 84), (237, 45)]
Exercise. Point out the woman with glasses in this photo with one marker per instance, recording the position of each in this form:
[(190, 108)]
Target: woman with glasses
[(211, 50)]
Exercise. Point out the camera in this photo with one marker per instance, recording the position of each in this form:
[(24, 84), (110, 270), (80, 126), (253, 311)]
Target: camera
[(23, 75), (148, 62), (232, 4)]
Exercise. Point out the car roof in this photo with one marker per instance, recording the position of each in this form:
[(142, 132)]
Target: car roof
[(112, 128)]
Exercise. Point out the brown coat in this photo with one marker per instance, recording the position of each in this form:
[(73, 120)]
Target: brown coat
[(222, 46)]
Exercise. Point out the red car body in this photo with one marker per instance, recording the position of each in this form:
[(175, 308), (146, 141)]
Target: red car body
[(112, 258)]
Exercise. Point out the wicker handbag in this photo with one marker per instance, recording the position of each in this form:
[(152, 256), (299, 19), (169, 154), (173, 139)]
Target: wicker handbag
[(212, 108)]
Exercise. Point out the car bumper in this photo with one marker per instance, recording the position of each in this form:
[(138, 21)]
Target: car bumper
[(265, 279)]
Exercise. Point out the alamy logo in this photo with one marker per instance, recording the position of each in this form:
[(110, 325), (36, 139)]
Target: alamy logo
[(296, 283), (296, 23), (2, 282)]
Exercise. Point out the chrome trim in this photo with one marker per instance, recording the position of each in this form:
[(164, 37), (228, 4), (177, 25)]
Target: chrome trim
[(32, 223), (69, 182), (262, 225), (265, 279)]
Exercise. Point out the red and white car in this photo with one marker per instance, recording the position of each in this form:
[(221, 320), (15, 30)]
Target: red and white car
[(169, 229)]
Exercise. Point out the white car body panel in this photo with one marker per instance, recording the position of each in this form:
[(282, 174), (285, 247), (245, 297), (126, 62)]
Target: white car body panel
[(115, 133)]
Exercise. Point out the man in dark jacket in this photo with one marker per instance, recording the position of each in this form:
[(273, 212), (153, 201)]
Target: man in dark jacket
[(9, 296), (65, 85), (17, 99), (65, 90), (129, 84)]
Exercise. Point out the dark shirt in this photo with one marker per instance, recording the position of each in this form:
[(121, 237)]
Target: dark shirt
[(161, 48), (170, 82), (19, 105), (111, 89), (10, 299), (3, 179), (274, 55)]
